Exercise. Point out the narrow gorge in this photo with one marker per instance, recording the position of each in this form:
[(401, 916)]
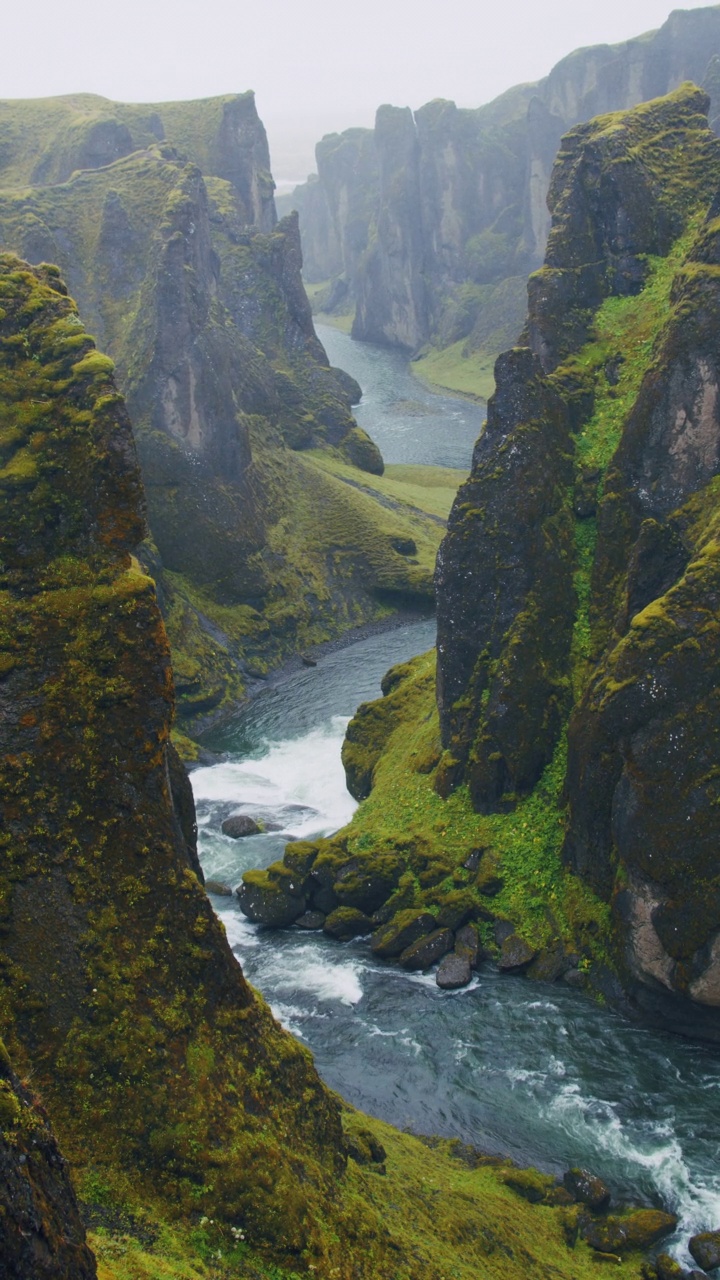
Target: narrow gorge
[(415, 974)]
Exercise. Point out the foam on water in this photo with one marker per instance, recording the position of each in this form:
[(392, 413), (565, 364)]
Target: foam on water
[(303, 969), (655, 1151), (301, 771)]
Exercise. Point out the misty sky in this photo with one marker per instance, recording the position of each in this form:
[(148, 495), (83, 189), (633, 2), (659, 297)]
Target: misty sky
[(316, 65)]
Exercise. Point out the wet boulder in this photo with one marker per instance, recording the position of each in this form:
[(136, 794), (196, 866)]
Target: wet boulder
[(427, 952), (457, 907), (705, 1249), (550, 964), (406, 928), (667, 1268), (467, 943), (310, 920), (219, 888), (454, 971), (300, 855), (637, 1230), (273, 897), (587, 1189), (363, 886), (345, 923), (239, 826), (320, 888), (515, 954)]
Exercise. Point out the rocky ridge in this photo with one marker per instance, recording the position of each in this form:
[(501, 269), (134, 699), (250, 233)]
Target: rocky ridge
[(430, 240)]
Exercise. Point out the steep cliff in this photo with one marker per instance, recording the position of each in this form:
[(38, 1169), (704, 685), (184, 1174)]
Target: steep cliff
[(118, 984), (201, 1135), (563, 790), (460, 214), (41, 1233), (196, 292)]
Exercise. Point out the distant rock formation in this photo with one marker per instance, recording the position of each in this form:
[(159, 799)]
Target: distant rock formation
[(429, 223)]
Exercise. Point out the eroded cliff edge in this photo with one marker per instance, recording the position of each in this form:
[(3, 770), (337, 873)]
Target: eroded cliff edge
[(563, 790)]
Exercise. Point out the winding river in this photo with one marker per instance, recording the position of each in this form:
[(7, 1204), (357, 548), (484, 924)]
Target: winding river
[(539, 1072)]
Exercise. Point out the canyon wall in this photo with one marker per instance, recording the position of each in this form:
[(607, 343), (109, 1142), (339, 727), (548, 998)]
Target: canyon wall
[(452, 213)]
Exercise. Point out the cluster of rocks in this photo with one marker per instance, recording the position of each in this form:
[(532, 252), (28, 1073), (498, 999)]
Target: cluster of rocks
[(705, 1251), (356, 898), (586, 1201)]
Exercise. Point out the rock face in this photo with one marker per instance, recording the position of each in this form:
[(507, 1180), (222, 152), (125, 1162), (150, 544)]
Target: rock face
[(173, 250), (458, 197), (600, 615), (118, 985), (40, 1228), (45, 141)]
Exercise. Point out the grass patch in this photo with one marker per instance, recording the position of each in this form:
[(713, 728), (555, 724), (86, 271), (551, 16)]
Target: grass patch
[(454, 369)]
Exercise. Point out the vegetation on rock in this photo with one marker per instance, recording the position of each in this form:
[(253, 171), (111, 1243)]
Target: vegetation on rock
[(564, 789)]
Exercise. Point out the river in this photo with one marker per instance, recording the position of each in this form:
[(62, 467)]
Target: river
[(539, 1072), (408, 421)]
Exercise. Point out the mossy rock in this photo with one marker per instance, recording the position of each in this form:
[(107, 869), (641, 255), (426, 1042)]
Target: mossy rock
[(426, 952), (346, 923), (272, 900), (300, 856), (637, 1230), (532, 1185), (405, 928)]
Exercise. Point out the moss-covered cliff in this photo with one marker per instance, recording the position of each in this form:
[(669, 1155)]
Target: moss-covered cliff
[(202, 1140), (563, 792), (195, 291), (452, 215)]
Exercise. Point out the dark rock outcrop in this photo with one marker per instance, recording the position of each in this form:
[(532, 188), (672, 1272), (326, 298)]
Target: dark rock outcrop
[(41, 1232), (642, 733)]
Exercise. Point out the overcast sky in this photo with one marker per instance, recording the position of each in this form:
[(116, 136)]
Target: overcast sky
[(316, 65)]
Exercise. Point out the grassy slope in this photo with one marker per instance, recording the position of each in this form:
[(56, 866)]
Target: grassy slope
[(335, 568), (457, 370), (448, 1219)]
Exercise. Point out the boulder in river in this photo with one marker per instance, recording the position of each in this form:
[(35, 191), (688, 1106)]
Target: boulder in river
[(219, 888), (637, 1230), (310, 920), (345, 923), (705, 1249), (454, 971), (401, 932), (240, 825), (273, 897), (667, 1268), (467, 943), (426, 952), (515, 953), (586, 1188)]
